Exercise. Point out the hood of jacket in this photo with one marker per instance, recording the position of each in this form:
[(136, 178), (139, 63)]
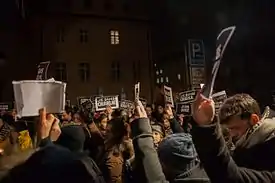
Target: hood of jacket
[(259, 133)]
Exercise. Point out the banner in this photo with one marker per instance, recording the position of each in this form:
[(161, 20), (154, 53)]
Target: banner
[(196, 52), (102, 102), (221, 44), (32, 95), (42, 73), (168, 96)]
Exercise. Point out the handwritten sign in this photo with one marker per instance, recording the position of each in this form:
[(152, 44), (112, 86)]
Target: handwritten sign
[(221, 44), (42, 73), (102, 102)]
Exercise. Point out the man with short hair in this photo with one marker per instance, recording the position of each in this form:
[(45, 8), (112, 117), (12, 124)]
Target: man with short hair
[(253, 158)]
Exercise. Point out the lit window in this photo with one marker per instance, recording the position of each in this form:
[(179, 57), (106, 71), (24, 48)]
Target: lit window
[(83, 36), (161, 79), (160, 71), (157, 80), (60, 34), (114, 37), (167, 80), (179, 77), (157, 73), (84, 71), (61, 71)]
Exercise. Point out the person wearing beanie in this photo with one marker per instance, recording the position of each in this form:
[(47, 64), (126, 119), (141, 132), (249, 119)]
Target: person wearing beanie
[(179, 159), (158, 134), (72, 137)]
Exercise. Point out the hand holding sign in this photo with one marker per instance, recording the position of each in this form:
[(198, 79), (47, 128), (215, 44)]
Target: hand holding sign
[(222, 41)]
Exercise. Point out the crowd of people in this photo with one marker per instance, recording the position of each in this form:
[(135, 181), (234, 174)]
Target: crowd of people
[(234, 145)]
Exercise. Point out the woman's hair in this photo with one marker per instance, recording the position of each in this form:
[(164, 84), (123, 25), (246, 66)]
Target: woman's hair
[(101, 117), (119, 129)]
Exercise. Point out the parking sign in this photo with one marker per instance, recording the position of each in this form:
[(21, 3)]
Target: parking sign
[(196, 52)]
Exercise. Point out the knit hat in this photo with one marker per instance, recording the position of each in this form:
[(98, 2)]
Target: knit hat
[(72, 137), (178, 151), (158, 128)]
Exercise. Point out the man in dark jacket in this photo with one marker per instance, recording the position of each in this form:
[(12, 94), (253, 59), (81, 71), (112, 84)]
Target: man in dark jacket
[(148, 169), (253, 159)]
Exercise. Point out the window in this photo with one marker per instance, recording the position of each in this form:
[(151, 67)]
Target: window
[(60, 34), (108, 5), (115, 69), (83, 36), (84, 72), (61, 71), (87, 4), (114, 36)]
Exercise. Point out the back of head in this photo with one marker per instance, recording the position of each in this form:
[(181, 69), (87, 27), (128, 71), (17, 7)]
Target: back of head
[(72, 137), (239, 105), (52, 164), (177, 153)]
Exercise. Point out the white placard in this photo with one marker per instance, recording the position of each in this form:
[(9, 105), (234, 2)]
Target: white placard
[(102, 102), (168, 96), (32, 95), (137, 91)]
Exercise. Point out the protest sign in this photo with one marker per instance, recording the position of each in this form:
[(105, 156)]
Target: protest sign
[(127, 104), (137, 91), (42, 73), (102, 102), (187, 96), (168, 96), (221, 44), (5, 106), (183, 108), (32, 95), (219, 99)]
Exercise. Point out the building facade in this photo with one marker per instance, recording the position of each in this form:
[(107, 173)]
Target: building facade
[(97, 47)]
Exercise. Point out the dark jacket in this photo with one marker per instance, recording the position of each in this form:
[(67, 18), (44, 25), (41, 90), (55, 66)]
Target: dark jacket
[(147, 166), (253, 161)]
